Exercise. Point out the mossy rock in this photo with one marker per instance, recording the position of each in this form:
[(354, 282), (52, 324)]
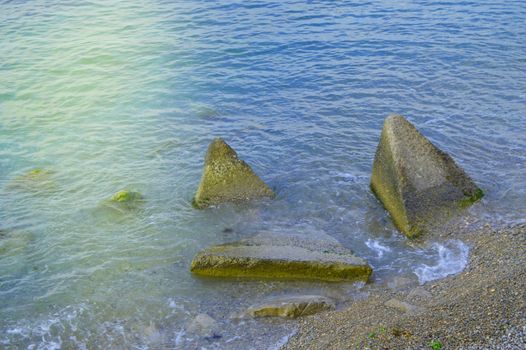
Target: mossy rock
[(38, 172), (126, 199), (420, 185), (291, 306), (125, 196), (35, 180), (226, 178), (282, 257)]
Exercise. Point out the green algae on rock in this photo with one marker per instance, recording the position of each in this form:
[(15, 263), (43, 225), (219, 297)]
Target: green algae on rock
[(126, 199), (35, 180), (226, 178), (418, 184), (291, 306), (126, 196), (282, 257)]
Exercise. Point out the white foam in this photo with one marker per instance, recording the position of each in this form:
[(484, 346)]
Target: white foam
[(179, 337), (452, 258), (378, 248), (171, 303)]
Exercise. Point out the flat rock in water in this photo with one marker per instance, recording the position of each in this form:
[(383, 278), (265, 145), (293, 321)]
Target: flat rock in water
[(418, 184), (282, 257), (226, 178), (291, 306)]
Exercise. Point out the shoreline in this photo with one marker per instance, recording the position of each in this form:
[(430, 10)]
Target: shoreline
[(483, 307)]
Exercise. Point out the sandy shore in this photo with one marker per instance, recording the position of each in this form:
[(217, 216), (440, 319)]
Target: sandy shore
[(484, 307)]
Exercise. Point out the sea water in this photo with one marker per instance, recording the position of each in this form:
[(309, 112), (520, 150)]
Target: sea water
[(99, 96)]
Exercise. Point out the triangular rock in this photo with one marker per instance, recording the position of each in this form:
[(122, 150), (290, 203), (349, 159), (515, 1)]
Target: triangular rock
[(226, 178), (417, 183)]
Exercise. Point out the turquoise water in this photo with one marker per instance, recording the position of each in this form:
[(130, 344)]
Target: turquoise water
[(106, 95)]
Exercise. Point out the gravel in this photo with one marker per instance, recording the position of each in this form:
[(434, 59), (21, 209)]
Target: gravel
[(484, 307)]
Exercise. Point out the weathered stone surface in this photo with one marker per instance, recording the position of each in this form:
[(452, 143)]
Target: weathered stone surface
[(226, 178), (417, 183), (291, 306), (282, 257), (203, 325)]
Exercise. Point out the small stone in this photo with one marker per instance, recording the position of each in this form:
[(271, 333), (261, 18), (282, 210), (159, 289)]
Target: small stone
[(292, 306), (152, 333), (403, 306), (419, 293), (204, 326), (399, 282), (125, 196), (125, 199)]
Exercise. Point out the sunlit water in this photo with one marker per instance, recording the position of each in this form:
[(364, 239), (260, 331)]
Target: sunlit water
[(105, 95)]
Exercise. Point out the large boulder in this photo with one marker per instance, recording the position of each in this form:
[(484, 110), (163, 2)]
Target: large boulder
[(291, 306), (418, 184), (226, 178), (282, 257)]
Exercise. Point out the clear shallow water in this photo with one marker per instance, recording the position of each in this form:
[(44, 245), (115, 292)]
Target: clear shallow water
[(112, 95)]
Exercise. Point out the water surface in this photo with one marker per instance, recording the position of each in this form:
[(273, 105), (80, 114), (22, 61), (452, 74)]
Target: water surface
[(106, 95)]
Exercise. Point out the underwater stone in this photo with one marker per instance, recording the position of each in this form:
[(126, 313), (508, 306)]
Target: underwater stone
[(37, 179), (125, 196), (125, 199), (418, 184), (226, 178), (291, 306), (203, 325), (282, 257)]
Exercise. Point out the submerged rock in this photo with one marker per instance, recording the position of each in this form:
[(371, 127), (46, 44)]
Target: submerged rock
[(401, 283), (125, 196), (204, 326), (13, 242), (205, 111), (226, 178), (291, 306), (125, 199), (418, 184), (35, 180), (282, 257)]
